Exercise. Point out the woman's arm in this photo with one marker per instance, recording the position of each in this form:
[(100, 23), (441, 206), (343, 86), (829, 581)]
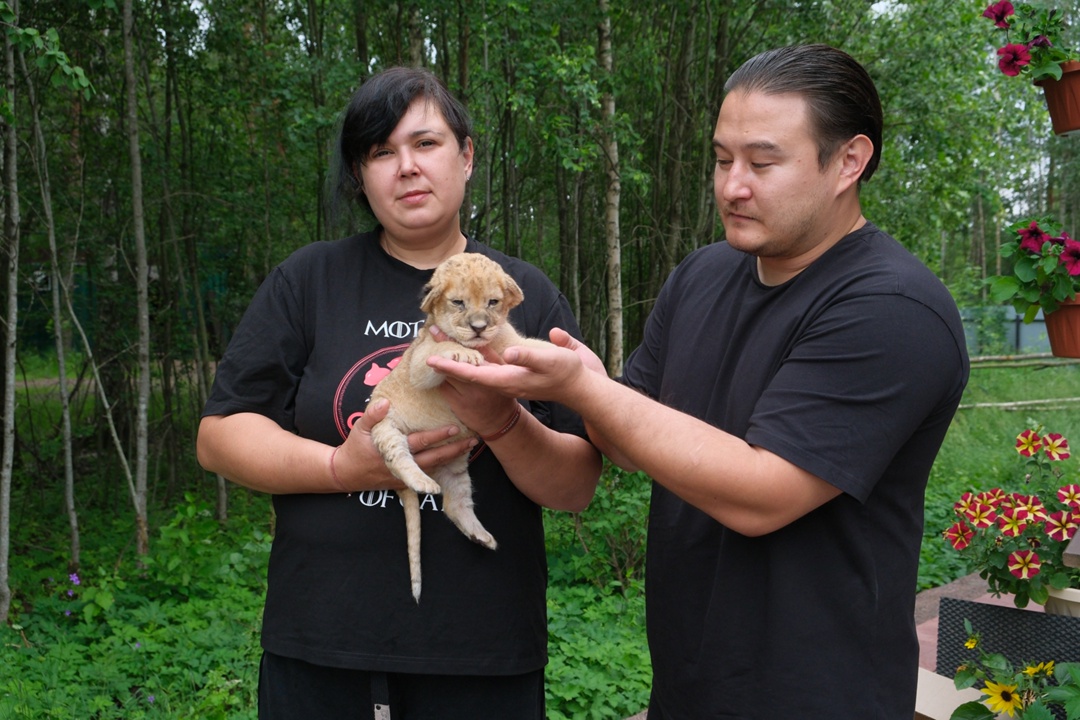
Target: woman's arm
[(254, 451)]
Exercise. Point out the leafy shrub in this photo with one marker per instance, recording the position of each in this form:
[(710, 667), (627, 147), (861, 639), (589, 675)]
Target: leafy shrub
[(599, 661), (175, 638), (599, 658), (605, 544)]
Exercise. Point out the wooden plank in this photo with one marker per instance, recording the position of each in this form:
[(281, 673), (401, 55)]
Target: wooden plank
[(937, 696), (1071, 556)]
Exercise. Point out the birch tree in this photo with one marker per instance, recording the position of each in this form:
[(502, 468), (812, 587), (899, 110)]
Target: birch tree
[(142, 527), (11, 314), (611, 199)]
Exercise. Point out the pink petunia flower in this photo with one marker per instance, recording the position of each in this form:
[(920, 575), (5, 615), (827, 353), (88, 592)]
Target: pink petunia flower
[(959, 534), (1030, 503), (966, 501), (1032, 238), (1013, 521), (998, 12), (1069, 495), (1012, 58), (1055, 446), (1024, 564), (1028, 443), (1070, 257), (1061, 526), (981, 516)]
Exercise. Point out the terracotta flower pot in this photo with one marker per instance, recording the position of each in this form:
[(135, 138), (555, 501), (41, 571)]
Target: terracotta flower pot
[(1063, 329), (1063, 99)]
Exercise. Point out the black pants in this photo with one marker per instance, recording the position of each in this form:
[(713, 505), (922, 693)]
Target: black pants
[(295, 690)]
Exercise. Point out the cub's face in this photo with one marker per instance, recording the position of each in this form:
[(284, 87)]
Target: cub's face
[(469, 297)]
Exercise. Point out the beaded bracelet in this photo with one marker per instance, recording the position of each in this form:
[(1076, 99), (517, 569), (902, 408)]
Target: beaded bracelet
[(505, 428)]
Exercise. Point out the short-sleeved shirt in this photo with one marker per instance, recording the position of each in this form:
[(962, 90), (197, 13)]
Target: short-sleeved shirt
[(322, 330), (852, 371)]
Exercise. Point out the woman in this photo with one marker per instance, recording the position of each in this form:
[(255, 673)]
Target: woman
[(341, 631)]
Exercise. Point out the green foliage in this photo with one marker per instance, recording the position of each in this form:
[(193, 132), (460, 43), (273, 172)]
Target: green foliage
[(599, 664), (599, 660), (44, 48), (177, 638), (604, 544)]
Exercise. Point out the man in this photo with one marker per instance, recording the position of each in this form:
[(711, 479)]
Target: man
[(791, 392)]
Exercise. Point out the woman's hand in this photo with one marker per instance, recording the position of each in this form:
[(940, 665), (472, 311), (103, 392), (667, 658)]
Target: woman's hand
[(357, 464)]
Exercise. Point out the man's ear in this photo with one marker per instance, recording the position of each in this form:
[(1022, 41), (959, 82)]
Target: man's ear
[(854, 155)]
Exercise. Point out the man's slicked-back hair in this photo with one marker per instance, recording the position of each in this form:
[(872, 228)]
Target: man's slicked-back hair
[(375, 110), (841, 98)]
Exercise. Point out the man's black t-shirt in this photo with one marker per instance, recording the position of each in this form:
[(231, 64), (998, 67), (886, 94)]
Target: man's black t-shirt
[(852, 371)]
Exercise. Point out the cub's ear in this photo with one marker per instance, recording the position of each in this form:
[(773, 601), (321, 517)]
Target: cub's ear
[(512, 295), (428, 297)]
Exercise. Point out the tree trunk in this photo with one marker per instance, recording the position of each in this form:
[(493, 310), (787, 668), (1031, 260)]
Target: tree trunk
[(416, 36), (41, 162), (360, 28), (611, 200), (142, 542), (11, 317)]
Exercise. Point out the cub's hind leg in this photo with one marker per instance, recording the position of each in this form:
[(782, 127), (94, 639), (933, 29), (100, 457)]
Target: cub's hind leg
[(458, 502), (393, 445)]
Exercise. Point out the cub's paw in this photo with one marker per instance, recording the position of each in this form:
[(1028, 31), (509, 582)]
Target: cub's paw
[(483, 537), (463, 354), (423, 486)]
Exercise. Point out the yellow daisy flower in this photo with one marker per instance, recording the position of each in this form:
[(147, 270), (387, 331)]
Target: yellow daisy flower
[(1046, 668), (1002, 698)]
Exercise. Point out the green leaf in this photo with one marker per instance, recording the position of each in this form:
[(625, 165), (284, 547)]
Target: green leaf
[(965, 678), (1038, 711), (972, 711), (1002, 288)]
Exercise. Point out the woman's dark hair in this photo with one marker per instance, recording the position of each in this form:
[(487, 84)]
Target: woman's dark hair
[(372, 114), (840, 95)]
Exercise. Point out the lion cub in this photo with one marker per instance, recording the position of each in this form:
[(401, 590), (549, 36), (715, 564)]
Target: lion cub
[(468, 298)]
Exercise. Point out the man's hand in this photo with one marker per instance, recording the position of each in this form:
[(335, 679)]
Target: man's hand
[(530, 372)]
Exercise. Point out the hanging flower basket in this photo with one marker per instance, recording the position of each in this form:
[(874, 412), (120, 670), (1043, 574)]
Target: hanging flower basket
[(1063, 329), (1063, 99)]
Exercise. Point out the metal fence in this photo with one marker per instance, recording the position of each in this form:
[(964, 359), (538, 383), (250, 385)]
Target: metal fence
[(1002, 331)]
